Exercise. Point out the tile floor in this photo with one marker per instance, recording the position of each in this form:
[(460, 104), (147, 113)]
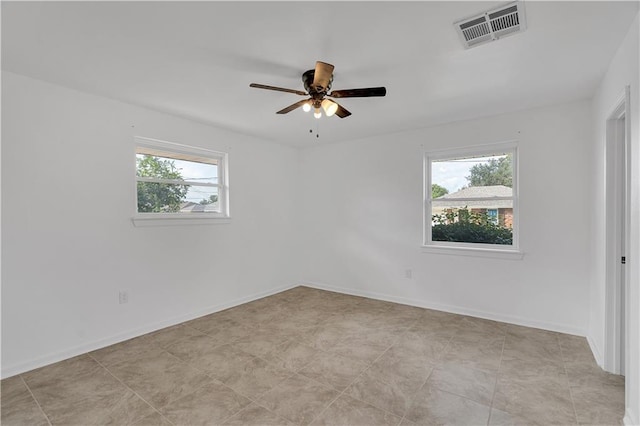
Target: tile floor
[(307, 356)]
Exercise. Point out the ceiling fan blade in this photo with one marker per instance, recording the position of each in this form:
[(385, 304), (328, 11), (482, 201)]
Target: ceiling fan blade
[(322, 75), (293, 106), (279, 89), (341, 112), (359, 93)]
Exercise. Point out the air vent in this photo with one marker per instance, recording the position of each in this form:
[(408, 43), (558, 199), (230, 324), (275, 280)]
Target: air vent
[(492, 25)]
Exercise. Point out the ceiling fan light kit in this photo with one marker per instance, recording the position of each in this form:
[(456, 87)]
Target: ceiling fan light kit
[(317, 83)]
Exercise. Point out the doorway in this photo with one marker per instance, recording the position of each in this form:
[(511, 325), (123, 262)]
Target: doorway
[(617, 225)]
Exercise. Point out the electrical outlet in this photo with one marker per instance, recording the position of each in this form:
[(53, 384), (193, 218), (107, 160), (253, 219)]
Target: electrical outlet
[(408, 273), (123, 297)]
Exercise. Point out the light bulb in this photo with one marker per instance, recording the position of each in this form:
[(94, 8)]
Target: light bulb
[(329, 107), (317, 113), (306, 107)]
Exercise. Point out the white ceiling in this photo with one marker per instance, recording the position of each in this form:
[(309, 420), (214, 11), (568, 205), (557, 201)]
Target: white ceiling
[(197, 59)]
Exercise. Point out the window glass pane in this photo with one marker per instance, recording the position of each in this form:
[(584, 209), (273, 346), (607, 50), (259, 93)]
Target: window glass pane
[(201, 199), (156, 197), (198, 172), (452, 175), (170, 168), (463, 195), (160, 197)]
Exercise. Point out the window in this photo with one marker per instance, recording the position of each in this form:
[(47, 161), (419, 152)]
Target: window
[(471, 198), (179, 182), (492, 214)]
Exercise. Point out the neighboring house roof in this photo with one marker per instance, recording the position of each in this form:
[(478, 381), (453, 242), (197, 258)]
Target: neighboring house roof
[(451, 200), (190, 207)]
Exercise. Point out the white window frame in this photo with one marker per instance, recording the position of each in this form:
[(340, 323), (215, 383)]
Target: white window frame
[(471, 249), (178, 151)]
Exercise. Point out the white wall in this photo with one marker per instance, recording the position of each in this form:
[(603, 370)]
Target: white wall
[(362, 221), (69, 246), (622, 71)]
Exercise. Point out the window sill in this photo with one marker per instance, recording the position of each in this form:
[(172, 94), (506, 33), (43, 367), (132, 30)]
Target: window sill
[(143, 221), (475, 252)]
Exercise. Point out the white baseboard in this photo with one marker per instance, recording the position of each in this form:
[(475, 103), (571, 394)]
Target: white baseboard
[(561, 328), (597, 353), (28, 365), (630, 419)]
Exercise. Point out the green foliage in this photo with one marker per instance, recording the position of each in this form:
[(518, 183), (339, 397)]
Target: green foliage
[(212, 199), (438, 191), (154, 197), (465, 226), (494, 172)]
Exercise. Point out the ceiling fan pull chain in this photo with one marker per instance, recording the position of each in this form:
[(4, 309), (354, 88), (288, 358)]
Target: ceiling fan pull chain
[(317, 130)]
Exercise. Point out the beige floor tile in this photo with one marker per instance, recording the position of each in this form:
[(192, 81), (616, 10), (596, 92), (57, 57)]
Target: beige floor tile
[(533, 334), (88, 394), (220, 362), (438, 322), (221, 330), (361, 315), (387, 391), (159, 377), (169, 336), (155, 419), (599, 405), (291, 355), (473, 384), (531, 352), (125, 351), (477, 329), (261, 342), (66, 370), (324, 337), (530, 349), (362, 348), (529, 367), (405, 311), (500, 418), (295, 322), (544, 398), (589, 374), (393, 323), (255, 415), (298, 399), (483, 354), (575, 349), (425, 343), (435, 407), (397, 362), (374, 305), (346, 411), (333, 370), (256, 377), (193, 347), (18, 406), (208, 405)]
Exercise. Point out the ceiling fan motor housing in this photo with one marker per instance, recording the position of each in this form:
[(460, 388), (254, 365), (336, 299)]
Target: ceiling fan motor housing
[(317, 91)]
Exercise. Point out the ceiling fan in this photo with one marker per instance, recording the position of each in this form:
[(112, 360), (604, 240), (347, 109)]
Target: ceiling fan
[(317, 83)]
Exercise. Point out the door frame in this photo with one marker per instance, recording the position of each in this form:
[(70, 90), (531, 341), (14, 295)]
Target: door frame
[(617, 221)]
